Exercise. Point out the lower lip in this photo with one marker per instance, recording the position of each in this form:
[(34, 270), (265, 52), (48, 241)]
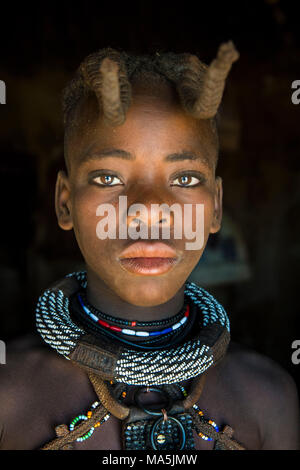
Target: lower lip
[(148, 266)]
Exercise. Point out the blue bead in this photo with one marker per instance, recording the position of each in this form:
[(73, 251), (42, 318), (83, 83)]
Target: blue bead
[(167, 330)]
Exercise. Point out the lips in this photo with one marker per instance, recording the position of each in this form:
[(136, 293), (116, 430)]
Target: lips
[(148, 250), (148, 258)]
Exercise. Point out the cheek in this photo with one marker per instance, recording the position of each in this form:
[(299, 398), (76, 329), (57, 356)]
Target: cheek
[(85, 204), (199, 213), (197, 227)]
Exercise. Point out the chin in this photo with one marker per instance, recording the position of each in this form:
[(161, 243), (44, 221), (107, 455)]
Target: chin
[(150, 292)]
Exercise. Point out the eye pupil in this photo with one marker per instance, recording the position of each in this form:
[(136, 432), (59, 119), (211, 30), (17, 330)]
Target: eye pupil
[(184, 179), (107, 179)]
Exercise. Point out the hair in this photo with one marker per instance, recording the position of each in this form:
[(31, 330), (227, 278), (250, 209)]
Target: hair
[(109, 74)]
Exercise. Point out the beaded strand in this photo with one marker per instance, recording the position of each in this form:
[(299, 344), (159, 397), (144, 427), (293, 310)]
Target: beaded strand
[(137, 323), (200, 413), (209, 421), (89, 414), (82, 417), (127, 331)]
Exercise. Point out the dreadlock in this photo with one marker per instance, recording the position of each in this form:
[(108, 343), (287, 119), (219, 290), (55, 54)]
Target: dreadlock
[(109, 75)]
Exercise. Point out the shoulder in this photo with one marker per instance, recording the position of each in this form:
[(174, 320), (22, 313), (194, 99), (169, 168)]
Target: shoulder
[(24, 357), (26, 360), (30, 370), (30, 363), (258, 369), (269, 392)]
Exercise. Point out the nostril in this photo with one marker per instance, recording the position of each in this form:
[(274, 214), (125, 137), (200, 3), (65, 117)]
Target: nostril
[(139, 221)]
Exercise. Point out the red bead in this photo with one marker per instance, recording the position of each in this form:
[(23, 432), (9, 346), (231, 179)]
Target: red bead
[(133, 323), (103, 323), (187, 311), (115, 328)]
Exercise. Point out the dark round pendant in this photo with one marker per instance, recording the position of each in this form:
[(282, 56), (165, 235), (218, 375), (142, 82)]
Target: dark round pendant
[(167, 434), (155, 412)]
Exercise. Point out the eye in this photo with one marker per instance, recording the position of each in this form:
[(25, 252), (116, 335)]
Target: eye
[(107, 180), (187, 181)]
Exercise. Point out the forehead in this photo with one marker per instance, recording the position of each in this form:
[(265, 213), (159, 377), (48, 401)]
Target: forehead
[(155, 126)]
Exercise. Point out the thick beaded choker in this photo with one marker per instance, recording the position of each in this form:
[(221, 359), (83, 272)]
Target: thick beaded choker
[(124, 364), (129, 331)]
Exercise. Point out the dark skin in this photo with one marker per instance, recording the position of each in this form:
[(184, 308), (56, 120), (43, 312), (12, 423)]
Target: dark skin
[(40, 389), (150, 134)]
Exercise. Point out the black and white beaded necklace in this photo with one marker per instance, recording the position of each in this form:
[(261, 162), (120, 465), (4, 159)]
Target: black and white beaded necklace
[(155, 369), (146, 368)]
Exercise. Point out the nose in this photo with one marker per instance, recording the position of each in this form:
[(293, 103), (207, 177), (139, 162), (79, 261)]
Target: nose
[(150, 214), (150, 210)]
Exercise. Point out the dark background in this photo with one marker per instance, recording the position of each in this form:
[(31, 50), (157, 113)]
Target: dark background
[(40, 48)]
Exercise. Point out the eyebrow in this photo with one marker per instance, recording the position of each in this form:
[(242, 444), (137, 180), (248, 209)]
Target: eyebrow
[(118, 153)]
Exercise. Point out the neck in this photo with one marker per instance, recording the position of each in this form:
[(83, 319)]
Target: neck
[(105, 300)]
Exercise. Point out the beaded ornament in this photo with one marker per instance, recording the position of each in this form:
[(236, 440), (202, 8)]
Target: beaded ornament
[(133, 367), (128, 331)]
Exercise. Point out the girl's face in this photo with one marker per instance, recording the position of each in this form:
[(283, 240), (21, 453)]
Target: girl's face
[(159, 155)]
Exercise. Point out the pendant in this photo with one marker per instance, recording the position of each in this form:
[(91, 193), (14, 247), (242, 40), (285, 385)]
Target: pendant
[(174, 433), (166, 427)]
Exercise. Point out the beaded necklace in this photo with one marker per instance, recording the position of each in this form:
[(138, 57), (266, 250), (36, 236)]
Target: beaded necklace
[(131, 332), (129, 366), (165, 431), (160, 438), (101, 357), (144, 344), (78, 419), (108, 318)]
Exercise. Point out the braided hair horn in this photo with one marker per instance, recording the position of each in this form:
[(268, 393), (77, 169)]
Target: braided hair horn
[(204, 105), (107, 78)]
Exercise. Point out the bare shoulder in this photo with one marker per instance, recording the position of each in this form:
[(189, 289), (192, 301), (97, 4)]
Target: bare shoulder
[(30, 367), (269, 392), (25, 361), (29, 364), (38, 389), (25, 357), (257, 369)]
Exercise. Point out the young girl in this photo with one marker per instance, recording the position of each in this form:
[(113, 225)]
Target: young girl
[(141, 357)]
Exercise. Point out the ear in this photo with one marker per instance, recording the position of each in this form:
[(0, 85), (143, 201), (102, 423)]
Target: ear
[(217, 218), (63, 201)]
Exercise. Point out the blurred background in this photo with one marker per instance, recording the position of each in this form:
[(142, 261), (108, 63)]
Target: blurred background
[(252, 265)]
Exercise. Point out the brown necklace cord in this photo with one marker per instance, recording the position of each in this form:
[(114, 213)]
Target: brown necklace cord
[(223, 439), (107, 399), (65, 437), (195, 392), (108, 404)]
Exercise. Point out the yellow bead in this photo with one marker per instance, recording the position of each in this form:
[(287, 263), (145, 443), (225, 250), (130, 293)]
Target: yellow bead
[(89, 414)]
